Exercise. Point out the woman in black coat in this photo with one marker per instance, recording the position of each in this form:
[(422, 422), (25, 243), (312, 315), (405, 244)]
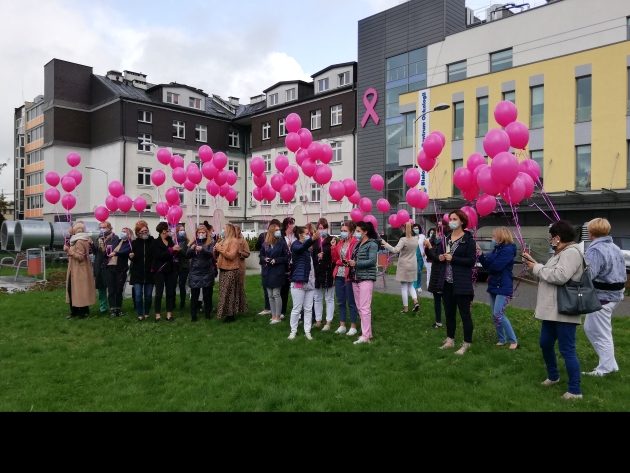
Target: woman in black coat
[(274, 258), (165, 270), (141, 277), (324, 281), (202, 272), (433, 248)]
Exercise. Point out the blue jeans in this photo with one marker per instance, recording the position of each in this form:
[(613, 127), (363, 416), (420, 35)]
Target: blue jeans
[(505, 332), (344, 293), (565, 334), (143, 293)]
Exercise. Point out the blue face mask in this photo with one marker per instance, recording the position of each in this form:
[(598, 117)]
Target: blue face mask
[(277, 234), (323, 233), (307, 237), (122, 236), (358, 236), (344, 235), (201, 236), (416, 231), (453, 225), (181, 234), (222, 233)]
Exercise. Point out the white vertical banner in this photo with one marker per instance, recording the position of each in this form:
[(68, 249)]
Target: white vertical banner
[(424, 107)]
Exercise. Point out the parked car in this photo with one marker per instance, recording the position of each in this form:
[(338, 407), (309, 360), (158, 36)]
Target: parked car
[(487, 245), (624, 244)]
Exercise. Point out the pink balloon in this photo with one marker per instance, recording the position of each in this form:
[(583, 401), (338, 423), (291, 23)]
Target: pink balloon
[(257, 166), (281, 162), (350, 185), (189, 185), (293, 122), (309, 167), (68, 202), (116, 188), (260, 181), (486, 183), (231, 195), (76, 175), (393, 221), (291, 174), (504, 168), (161, 208), (220, 160), (174, 215), (475, 160), (440, 135), (101, 213), (177, 161), (531, 167), (473, 218), (372, 219), (52, 195), (292, 142), (213, 188), (257, 194), (193, 174), (515, 193), (486, 204), (209, 171), (412, 177), (356, 215), (417, 198), (377, 182), (301, 156), (505, 113), (326, 153), (383, 205), (336, 190), (425, 163), (365, 204), (179, 175), (164, 156), (471, 193), (496, 141), (432, 146), (269, 193), (519, 135), (445, 218), (68, 184), (323, 174), (355, 198), (224, 189), (158, 177), (172, 196), (462, 178), (139, 204), (205, 153), (221, 177), (287, 191), (277, 181), (403, 216), (124, 203), (111, 203), (527, 180), (306, 137), (73, 159), (231, 177), (315, 151), (52, 178)]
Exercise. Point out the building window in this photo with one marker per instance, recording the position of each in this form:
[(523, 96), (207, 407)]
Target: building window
[(201, 197), (179, 129), (291, 95), (144, 142), (316, 119), (336, 115), (343, 78), (35, 112), (172, 97), (145, 117), (235, 203), (35, 179), (266, 131), (501, 60), (537, 106), (510, 96), (181, 192), (144, 176), (19, 123), (201, 133), (273, 99), (35, 134), (323, 85), (457, 163), (35, 202), (537, 155), (457, 71), (458, 121), (282, 127), (194, 103), (266, 203), (583, 102), (234, 138), (233, 166), (34, 157), (583, 168), (336, 147), (316, 192), (482, 116), (267, 160)]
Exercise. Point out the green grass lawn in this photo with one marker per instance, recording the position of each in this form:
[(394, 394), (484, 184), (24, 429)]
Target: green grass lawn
[(48, 363)]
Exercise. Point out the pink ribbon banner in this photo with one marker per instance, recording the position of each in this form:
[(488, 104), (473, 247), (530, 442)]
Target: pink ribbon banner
[(369, 107)]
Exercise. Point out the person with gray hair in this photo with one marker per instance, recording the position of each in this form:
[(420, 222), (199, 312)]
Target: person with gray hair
[(608, 271)]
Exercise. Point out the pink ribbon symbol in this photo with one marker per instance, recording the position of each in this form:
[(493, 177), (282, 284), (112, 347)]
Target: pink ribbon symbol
[(369, 107)]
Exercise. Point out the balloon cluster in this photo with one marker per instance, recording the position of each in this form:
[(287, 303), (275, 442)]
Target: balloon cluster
[(117, 200), (69, 182)]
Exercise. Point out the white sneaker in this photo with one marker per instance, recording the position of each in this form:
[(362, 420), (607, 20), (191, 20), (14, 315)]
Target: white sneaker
[(291, 336), (281, 316), (326, 328), (361, 340), (264, 312), (274, 321), (593, 373), (308, 335), (351, 332), (341, 330)]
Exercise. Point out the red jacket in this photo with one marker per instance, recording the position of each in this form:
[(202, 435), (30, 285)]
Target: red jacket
[(336, 255)]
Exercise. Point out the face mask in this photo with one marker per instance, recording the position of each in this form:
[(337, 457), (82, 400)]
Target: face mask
[(416, 231), (123, 236), (277, 234), (181, 234), (307, 237), (553, 243), (222, 233), (344, 235), (358, 236), (494, 242), (103, 232), (453, 225), (144, 236), (201, 236), (323, 233)]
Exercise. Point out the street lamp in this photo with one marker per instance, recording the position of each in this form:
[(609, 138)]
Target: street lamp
[(438, 108), (101, 170)]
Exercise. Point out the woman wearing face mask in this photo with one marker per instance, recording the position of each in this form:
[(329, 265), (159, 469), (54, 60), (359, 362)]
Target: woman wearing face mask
[(499, 263), (203, 270), (363, 268), (407, 268), (80, 290), (432, 237), (120, 269), (103, 246), (567, 263), (183, 264), (243, 254), (231, 300), (274, 256), (111, 244), (341, 254), (302, 281), (324, 281), (417, 233), (141, 276), (288, 225), (164, 268), (458, 291)]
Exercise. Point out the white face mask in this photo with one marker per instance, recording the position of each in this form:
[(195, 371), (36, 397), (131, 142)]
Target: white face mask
[(277, 234), (201, 236), (122, 236), (323, 233), (453, 225)]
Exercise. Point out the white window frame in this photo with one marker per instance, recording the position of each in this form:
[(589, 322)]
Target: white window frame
[(145, 141), (337, 152), (343, 78), (317, 116), (234, 165), (336, 115), (234, 139), (172, 97), (201, 133), (273, 99), (199, 192), (144, 176), (291, 94), (267, 160), (182, 192), (145, 116), (178, 126), (34, 157), (266, 131), (323, 85), (35, 178), (282, 127), (235, 203), (194, 102), (316, 193)]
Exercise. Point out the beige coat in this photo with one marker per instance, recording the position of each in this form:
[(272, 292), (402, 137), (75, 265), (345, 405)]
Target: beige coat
[(407, 270), (228, 251), (80, 274), (559, 269)]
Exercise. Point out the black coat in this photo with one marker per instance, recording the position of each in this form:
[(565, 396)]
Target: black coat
[(274, 275), (163, 256), (203, 266), (142, 261), (462, 264), (324, 267), (184, 264), (438, 268)]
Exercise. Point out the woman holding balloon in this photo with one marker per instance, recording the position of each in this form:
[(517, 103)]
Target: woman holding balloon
[(164, 268), (407, 268), (231, 295), (203, 271), (117, 268), (141, 276)]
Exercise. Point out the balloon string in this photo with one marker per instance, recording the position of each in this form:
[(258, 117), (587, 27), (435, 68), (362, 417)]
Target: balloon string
[(534, 204)]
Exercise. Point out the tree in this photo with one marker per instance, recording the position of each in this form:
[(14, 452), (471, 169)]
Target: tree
[(4, 206)]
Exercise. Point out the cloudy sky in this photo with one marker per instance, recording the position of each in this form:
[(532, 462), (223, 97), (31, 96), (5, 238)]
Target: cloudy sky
[(228, 48)]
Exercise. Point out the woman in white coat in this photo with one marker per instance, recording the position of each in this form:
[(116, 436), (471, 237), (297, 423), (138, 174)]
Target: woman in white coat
[(407, 270)]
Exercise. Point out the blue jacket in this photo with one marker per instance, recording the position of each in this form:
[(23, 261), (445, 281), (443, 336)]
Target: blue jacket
[(499, 264), (274, 275), (301, 259), (607, 265)]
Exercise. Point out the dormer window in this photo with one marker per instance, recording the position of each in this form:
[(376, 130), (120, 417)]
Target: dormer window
[(291, 95), (273, 99), (344, 78), (172, 97), (323, 85), (194, 103)]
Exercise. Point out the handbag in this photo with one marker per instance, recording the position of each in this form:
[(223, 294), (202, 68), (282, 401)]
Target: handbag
[(578, 297)]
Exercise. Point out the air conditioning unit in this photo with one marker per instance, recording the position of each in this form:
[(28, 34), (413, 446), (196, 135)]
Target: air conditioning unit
[(252, 204), (303, 198)]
